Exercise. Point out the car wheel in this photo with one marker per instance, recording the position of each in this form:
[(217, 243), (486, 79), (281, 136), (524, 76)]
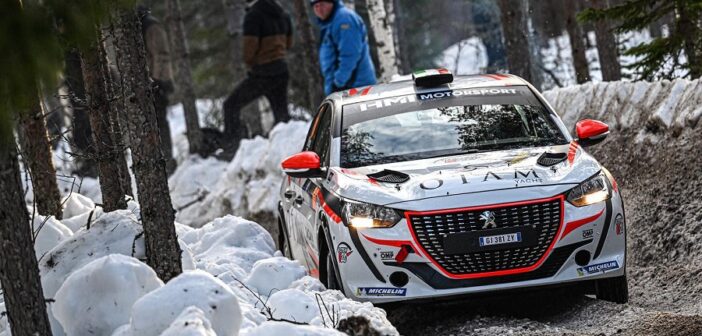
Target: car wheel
[(283, 242), (612, 289), (331, 281)]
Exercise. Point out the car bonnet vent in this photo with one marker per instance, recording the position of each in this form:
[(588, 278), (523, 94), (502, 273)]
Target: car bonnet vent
[(389, 176), (551, 159)]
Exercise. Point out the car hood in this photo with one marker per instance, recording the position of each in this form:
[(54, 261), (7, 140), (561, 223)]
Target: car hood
[(461, 174)]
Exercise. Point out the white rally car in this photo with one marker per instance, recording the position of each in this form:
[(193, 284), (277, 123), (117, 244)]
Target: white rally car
[(439, 186)]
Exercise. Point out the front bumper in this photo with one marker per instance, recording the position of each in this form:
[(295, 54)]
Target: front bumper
[(367, 270)]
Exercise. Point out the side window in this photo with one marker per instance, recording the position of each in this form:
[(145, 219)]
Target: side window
[(323, 138), (314, 127)]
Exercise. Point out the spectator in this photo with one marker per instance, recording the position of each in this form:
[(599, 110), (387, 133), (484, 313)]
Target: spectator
[(344, 55), (158, 59), (267, 38)]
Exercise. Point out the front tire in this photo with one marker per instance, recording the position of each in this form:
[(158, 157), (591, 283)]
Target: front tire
[(331, 281), (612, 289)]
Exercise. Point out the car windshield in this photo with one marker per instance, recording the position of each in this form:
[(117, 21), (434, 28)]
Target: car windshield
[(425, 126)]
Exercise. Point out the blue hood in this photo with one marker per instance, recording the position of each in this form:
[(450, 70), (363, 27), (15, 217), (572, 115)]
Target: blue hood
[(324, 23)]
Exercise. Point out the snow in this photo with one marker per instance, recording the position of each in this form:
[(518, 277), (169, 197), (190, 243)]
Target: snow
[(272, 328), (156, 311), (245, 185), (273, 274), (467, 57), (192, 322), (49, 232), (640, 106), (293, 305), (96, 299)]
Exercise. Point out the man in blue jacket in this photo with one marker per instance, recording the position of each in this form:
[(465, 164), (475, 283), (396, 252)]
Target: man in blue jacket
[(344, 55)]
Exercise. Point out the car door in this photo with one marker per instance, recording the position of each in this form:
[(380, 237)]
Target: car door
[(302, 210)]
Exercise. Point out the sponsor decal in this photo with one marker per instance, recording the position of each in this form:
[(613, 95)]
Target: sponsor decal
[(465, 92), (343, 251), (587, 234), (488, 218), (518, 176), (619, 224), (380, 291), (387, 255), (598, 268), (387, 102)]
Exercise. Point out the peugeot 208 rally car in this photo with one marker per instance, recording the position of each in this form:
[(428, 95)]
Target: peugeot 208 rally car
[(436, 187)]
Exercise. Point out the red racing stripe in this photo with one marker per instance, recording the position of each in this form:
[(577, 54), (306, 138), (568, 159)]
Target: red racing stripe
[(580, 222)]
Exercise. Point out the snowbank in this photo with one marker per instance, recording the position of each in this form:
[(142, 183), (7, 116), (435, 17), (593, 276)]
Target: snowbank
[(156, 311), (48, 233), (642, 106), (97, 298), (467, 57), (242, 187), (192, 322)]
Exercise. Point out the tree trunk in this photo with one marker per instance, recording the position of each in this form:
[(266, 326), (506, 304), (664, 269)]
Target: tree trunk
[(235, 29), (385, 46), (514, 29), (405, 64), (106, 152), (19, 273), (577, 43), (36, 154), (606, 46), (162, 250), (117, 116), (82, 142), (309, 51), (392, 23), (687, 27), (183, 77)]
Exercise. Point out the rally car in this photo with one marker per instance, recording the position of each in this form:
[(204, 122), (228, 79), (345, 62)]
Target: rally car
[(438, 186)]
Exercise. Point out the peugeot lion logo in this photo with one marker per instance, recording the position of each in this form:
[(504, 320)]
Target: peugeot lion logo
[(488, 218)]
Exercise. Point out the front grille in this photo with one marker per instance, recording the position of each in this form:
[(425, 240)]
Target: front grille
[(544, 217)]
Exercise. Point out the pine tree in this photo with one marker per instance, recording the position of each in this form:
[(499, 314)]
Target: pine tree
[(310, 62), (656, 55), (514, 28), (162, 249), (183, 77), (607, 50), (381, 27), (107, 153), (577, 43)]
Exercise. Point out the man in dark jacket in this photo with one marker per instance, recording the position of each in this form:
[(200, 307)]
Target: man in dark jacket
[(158, 58), (267, 38), (344, 55)]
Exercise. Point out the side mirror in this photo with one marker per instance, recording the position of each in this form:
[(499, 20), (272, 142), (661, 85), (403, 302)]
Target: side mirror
[(591, 132), (304, 164)]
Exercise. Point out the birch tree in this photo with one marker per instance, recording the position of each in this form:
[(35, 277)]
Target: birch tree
[(381, 27), (149, 164), (183, 77)]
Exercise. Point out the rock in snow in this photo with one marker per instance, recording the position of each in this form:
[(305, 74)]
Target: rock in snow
[(156, 311), (97, 298)]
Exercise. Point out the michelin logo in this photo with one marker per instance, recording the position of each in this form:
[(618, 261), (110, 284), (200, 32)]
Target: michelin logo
[(380, 291), (598, 268)]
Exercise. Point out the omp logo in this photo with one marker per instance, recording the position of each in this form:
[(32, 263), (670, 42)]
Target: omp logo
[(488, 218)]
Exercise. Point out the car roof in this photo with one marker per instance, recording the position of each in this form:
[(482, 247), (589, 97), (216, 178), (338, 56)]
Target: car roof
[(405, 86)]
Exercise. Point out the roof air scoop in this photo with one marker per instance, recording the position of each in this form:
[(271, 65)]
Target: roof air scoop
[(389, 176), (551, 159), (432, 77)]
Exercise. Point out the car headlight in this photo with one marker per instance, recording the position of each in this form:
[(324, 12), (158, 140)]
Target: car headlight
[(594, 190), (364, 215)]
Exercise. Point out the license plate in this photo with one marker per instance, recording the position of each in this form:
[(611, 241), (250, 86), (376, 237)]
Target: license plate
[(501, 239)]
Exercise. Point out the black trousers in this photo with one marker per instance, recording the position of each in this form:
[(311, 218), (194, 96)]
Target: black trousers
[(274, 88)]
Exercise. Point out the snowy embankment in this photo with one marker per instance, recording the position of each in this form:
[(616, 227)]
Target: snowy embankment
[(657, 106), (234, 281)]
